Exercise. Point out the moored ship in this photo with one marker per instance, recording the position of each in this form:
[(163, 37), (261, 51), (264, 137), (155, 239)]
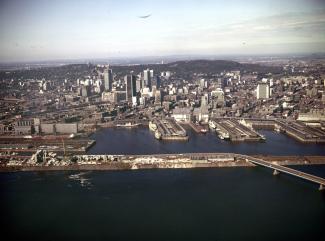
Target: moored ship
[(212, 125), (224, 136), (128, 125), (157, 135), (152, 126), (203, 130)]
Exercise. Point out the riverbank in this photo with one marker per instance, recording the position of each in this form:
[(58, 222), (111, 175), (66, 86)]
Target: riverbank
[(164, 161)]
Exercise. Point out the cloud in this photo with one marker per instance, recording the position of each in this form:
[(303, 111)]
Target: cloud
[(285, 29)]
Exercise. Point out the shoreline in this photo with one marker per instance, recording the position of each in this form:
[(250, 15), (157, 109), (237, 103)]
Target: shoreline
[(131, 163)]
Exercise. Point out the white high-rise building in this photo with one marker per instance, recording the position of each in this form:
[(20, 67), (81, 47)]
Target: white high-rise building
[(218, 96), (203, 83), (263, 91), (147, 77), (204, 100), (138, 85)]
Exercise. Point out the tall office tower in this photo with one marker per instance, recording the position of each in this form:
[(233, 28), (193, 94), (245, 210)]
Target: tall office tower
[(138, 85), (205, 100), (203, 83), (156, 81), (130, 83), (85, 90), (147, 77), (263, 91), (158, 97), (151, 73), (108, 78)]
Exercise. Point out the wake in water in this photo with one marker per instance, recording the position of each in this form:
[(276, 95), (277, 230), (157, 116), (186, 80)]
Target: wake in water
[(84, 182)]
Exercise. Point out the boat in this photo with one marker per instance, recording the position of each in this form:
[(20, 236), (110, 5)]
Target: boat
[(226, 136), (128, 124), (157, 135), (203, 130), (152, 126), (212, 125), (223, 136)]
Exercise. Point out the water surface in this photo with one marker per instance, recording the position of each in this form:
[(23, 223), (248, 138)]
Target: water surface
[(142, 141), (174, 204)]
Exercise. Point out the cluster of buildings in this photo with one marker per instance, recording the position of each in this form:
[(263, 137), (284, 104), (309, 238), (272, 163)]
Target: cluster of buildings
[(135, 89), (87, 96)]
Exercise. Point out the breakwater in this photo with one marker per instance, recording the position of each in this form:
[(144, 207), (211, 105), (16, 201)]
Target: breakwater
[(131, 162)]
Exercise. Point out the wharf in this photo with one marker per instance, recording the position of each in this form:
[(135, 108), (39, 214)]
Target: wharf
[(169, 129), (301, 132), (28, 146), (235, 131), (298, 130)]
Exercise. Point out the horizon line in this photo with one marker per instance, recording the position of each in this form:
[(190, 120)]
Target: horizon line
[(156, 57)]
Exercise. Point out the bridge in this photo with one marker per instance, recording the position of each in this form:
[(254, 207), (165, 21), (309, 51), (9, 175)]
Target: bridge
[(278, 169)]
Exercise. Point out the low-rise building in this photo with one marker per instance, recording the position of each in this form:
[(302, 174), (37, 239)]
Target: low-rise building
[(313, 115), (182, 114), (201, 114), (23, 127)]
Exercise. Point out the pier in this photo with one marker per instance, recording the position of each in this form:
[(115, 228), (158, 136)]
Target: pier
[(171, 130), (235, 131), (58, 144), (298, 130)]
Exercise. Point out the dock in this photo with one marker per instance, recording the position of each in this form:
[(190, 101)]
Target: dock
[(300, 131), (235, 131), (245, 129), (169, 129), (58, 144)]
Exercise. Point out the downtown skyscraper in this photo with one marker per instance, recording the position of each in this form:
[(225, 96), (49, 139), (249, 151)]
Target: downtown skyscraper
[(108, 78)]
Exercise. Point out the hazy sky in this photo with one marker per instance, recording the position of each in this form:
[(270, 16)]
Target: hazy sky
[(68, 29)]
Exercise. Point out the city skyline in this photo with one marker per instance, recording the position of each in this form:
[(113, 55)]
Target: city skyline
[(46, 30)]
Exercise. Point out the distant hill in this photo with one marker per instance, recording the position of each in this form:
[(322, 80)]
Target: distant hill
[(192, 66), (196, 66), (204, 66), (181, 68), (70, 71)]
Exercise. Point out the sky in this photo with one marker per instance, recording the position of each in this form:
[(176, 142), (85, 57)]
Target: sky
[(32, 30)]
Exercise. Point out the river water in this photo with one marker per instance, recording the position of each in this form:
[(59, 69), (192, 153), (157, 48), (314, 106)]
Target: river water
[(142, 141), (175, 204), (242, 203)]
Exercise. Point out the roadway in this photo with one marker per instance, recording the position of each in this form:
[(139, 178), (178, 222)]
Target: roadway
[(290, 171)]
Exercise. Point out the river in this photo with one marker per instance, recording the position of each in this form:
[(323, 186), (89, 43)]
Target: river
[(159, 204), (142, 141), (241, 203)]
